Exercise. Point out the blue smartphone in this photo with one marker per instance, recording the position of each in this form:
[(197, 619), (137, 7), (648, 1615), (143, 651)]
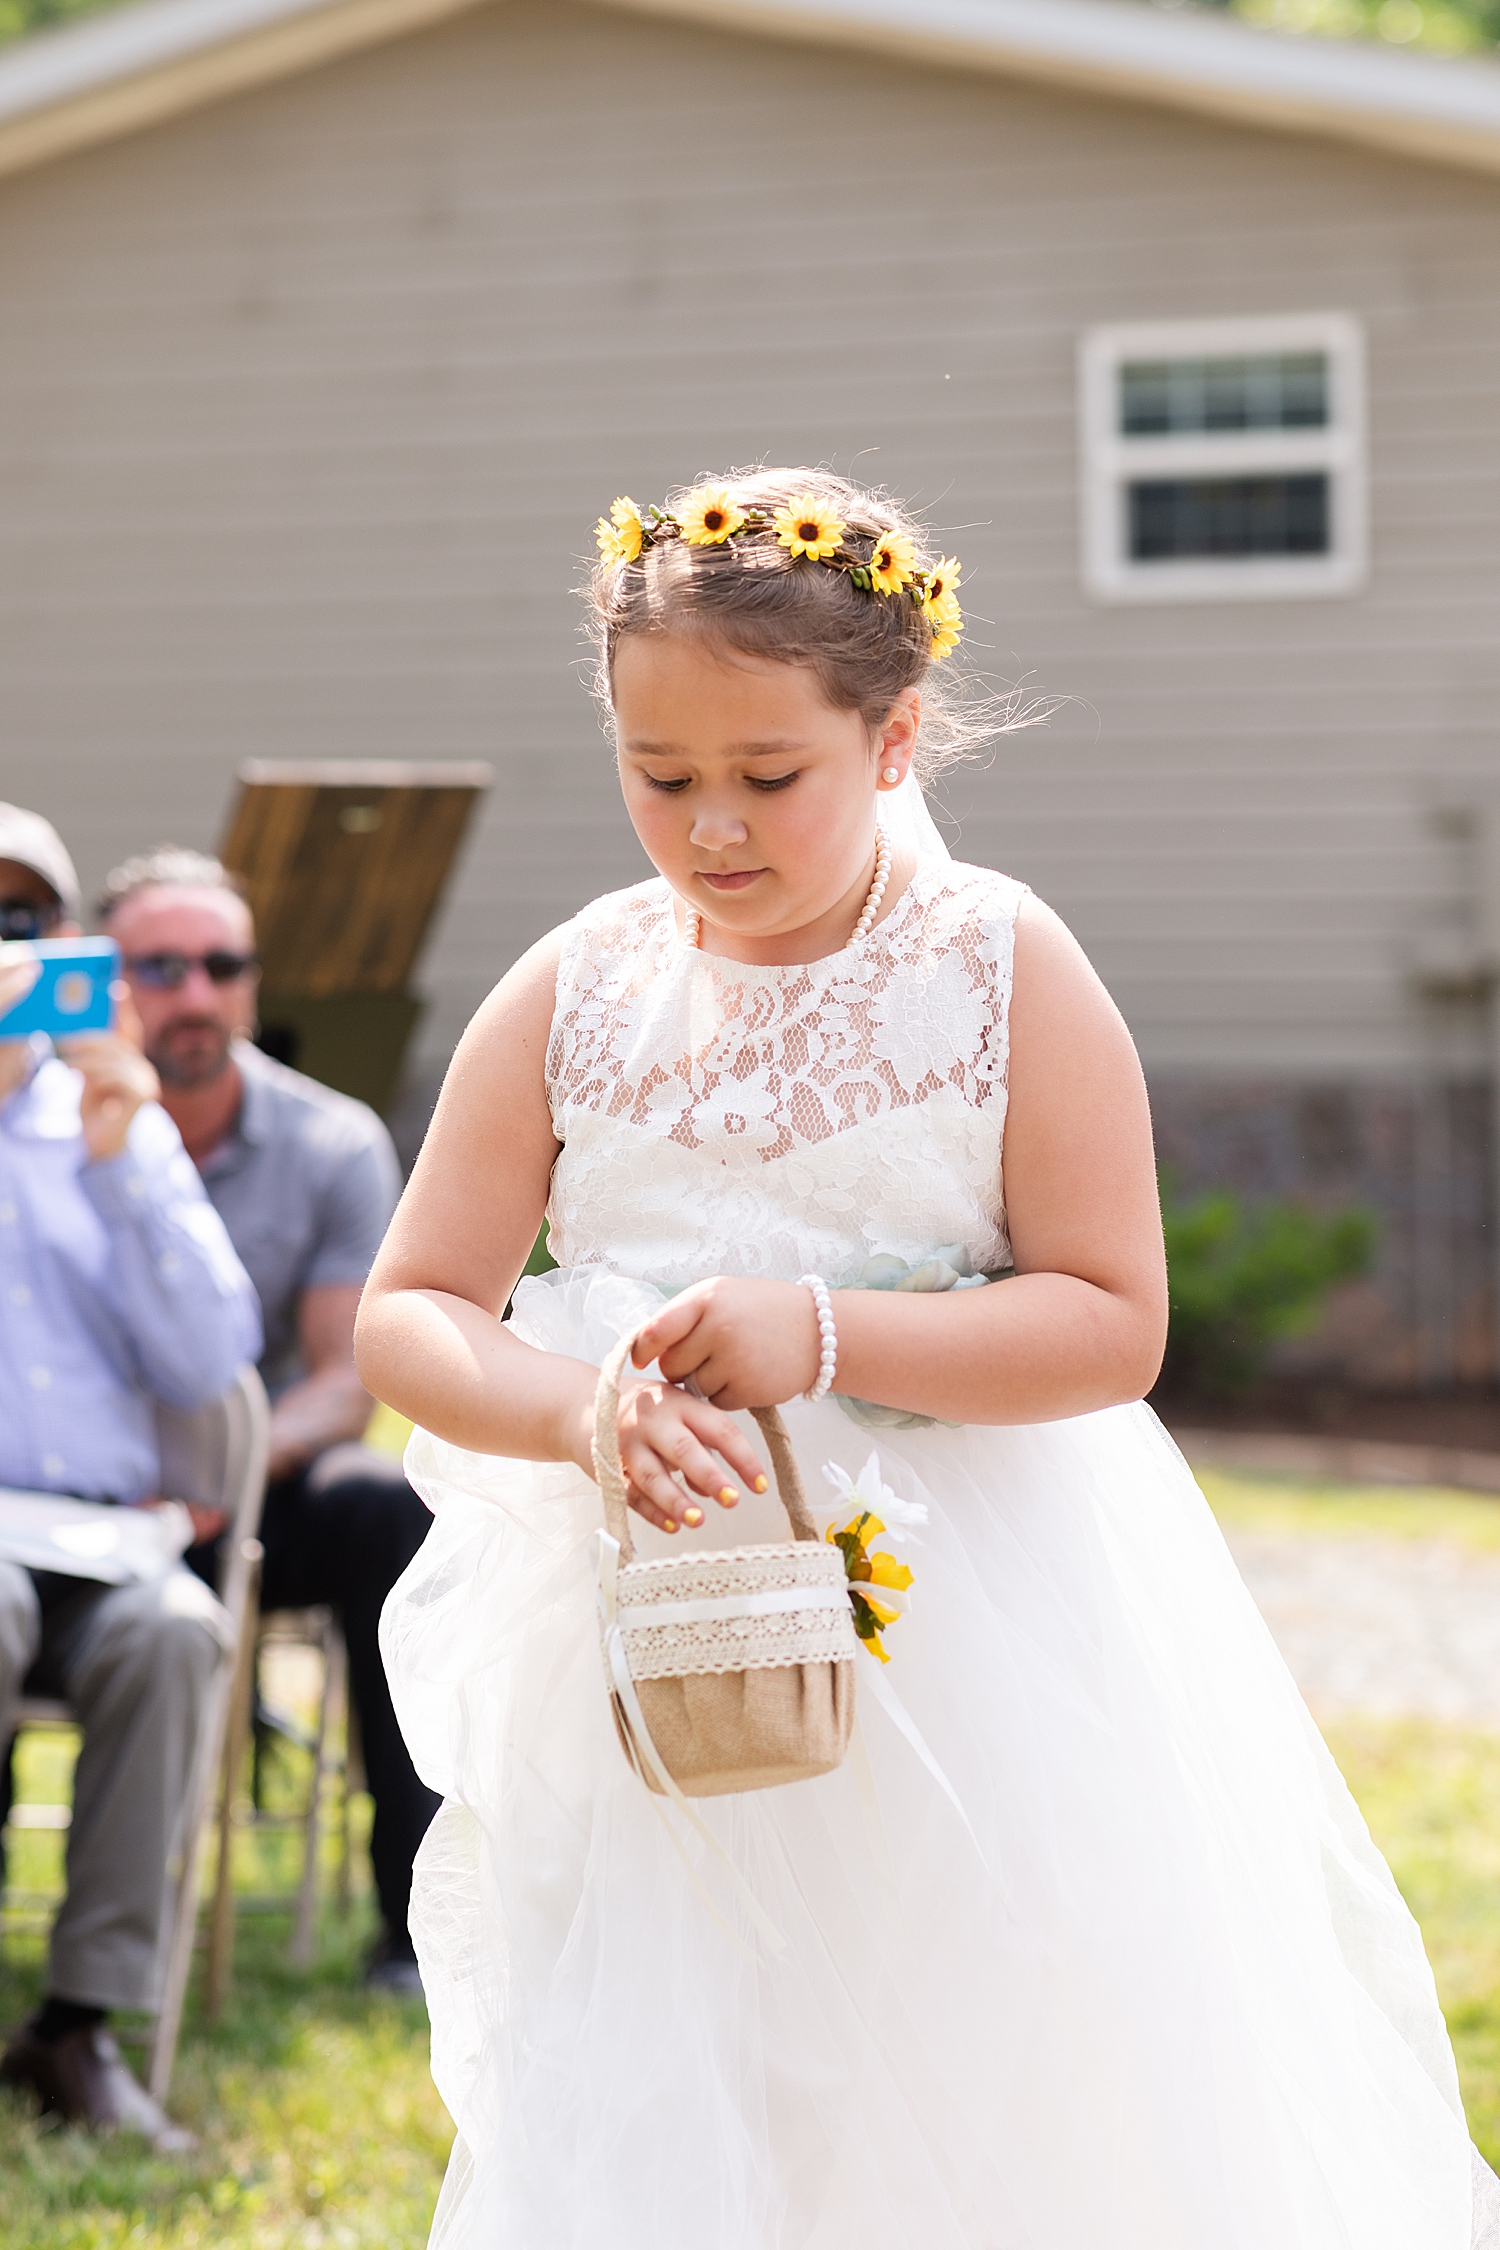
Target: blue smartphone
[(71, 994)]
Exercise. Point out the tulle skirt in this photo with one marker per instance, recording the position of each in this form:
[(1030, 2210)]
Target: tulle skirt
[(1152, 1987)]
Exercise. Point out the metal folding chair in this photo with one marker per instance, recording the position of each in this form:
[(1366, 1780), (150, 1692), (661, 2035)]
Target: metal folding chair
[(316, 1629), (297, 1628), (216, 1458)]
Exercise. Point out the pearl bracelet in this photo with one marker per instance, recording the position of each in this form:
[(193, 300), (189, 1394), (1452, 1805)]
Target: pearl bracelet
[(828, 1340)]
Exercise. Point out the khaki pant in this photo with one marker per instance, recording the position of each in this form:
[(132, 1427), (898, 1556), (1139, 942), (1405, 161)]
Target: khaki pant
[(136, 1663)]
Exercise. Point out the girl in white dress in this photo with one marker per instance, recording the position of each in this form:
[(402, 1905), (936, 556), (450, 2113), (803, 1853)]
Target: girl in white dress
[(1086, 1944)]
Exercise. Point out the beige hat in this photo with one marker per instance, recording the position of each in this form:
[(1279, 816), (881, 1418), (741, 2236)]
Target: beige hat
[(33, 842)]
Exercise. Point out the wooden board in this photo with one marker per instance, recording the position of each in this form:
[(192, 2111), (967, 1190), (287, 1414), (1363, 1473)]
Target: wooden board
[(345, 862), (356, 1042)]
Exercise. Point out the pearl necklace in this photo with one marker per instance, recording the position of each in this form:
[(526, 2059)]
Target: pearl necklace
[(692, 920)]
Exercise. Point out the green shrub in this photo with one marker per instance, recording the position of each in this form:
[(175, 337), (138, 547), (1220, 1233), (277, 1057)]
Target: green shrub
[(18, 17), (1241, 1278)]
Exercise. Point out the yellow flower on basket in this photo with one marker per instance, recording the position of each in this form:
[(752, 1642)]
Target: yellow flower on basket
[(866, 1572), (621, 533), (886, 1571), (891, 565), (809, 527), (708, 516)]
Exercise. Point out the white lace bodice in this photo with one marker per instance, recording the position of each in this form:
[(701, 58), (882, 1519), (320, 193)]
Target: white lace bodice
[(718, 1118)]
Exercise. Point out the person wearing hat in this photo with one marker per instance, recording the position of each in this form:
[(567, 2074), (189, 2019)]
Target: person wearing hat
[(119, 1289), (38, 887)]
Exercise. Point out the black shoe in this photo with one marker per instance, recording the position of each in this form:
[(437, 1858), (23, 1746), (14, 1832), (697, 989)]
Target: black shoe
[(83, 2075), (391, 1970)]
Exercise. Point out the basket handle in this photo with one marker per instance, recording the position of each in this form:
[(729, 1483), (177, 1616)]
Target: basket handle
[(611, 1476)]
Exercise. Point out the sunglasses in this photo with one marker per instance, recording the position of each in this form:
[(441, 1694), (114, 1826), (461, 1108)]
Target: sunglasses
[(168, 972), (23, 918)]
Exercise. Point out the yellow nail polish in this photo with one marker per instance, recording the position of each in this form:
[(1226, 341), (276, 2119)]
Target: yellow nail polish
[(692, 1517), (761, 1485), (669, 1525), (728, 1495)]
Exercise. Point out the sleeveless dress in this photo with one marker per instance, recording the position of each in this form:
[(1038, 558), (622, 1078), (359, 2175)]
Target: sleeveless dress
[(1091, 1946)]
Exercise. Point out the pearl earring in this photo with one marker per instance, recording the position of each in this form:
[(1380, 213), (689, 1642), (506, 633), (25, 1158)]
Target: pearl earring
[(890, 773)]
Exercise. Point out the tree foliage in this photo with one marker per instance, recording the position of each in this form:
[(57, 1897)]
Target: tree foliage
[(1447, 27), (1450, 27), (17, 17)]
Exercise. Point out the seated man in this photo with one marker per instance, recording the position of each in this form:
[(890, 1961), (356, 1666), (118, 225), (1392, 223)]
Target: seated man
[(305, 1181), (118, 1288)]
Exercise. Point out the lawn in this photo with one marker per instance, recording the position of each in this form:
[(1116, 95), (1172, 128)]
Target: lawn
[(320, 2129), (1430, 1793), (319, 2125), (1265, 1502)]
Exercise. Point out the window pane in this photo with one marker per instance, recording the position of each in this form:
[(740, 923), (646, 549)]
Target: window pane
[(1275, 391), (1196, 516)]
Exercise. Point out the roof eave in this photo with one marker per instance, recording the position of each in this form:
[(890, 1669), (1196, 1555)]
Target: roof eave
[(85, 87), (1415, 105), (138, 65)]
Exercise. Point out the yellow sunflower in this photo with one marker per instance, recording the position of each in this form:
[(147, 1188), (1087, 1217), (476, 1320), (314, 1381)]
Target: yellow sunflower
[(947, 632), (942, 585), (873, 1642), (620, 533), (886, 1571), (891, 565), (940, 607), (708, 516), (868, 1572), (809, 527)]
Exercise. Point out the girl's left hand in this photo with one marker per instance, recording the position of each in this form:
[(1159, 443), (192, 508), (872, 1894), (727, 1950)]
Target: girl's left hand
[(744, 1343), (19, 970)]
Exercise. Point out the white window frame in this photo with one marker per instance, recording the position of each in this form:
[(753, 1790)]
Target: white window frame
[(1111, 461)]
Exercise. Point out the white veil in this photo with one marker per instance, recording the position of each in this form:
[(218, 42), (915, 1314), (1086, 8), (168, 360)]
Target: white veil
[(905, 817)]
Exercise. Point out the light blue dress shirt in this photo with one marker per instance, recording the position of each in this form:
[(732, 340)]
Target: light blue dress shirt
[(118, 1287)]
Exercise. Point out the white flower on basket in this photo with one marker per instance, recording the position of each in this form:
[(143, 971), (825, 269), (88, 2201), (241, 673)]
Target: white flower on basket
[(869, 1493)]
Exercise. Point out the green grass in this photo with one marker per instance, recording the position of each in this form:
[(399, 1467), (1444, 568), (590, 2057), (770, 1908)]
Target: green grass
[(1263, 1502), (1431, 1795), (319, 2125)]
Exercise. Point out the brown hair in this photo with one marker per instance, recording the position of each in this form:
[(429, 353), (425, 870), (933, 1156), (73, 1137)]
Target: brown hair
[(750, 594)]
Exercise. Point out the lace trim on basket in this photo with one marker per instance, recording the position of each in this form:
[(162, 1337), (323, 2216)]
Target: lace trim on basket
[(729, 1570), (738, 1644), (673, 1650)]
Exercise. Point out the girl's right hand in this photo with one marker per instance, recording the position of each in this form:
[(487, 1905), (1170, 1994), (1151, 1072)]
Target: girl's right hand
[(663, 1429)]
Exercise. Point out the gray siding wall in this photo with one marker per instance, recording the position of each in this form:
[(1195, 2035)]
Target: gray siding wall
[(308, 402)]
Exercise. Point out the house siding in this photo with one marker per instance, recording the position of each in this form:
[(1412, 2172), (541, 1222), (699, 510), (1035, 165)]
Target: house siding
[(308, 401)]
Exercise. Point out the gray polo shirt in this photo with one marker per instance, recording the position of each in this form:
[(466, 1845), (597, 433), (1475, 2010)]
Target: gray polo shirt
[(305, 1184)]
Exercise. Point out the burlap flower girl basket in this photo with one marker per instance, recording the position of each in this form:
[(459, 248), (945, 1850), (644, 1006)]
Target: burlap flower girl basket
[(728, 1669)]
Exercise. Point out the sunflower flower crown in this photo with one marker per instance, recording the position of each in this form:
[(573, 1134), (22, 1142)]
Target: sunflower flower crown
[(806, 527)]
